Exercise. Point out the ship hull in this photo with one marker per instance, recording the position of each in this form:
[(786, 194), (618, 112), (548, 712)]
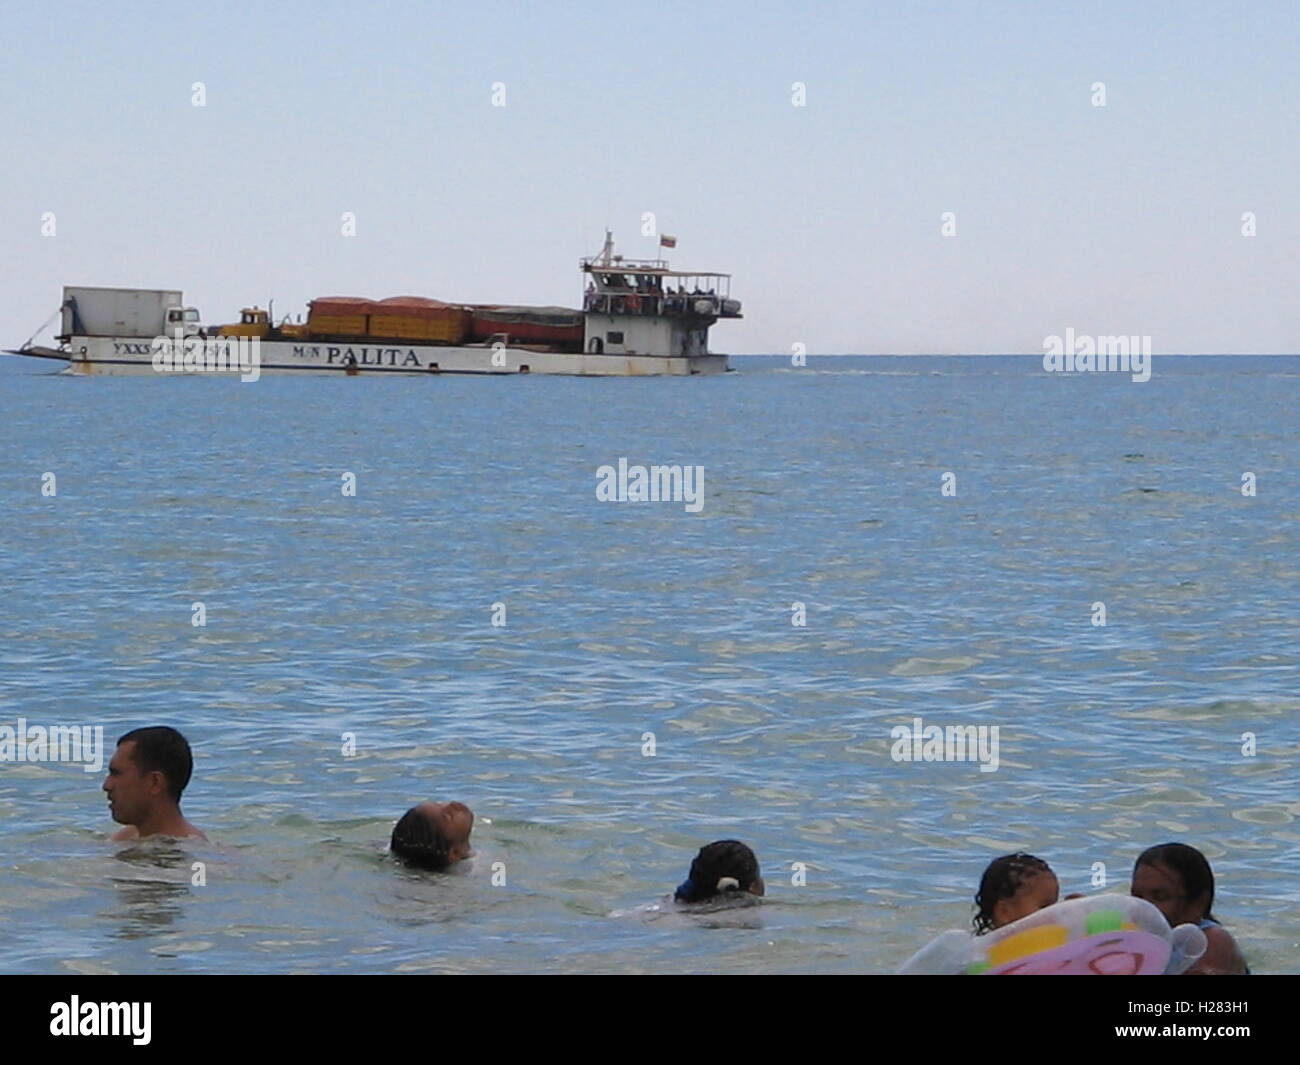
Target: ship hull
[(130, 355)]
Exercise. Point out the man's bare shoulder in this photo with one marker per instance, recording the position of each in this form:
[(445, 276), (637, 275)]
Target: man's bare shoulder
[(130, 832)]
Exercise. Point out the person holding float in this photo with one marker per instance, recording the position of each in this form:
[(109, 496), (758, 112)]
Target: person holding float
[(1178, 881)]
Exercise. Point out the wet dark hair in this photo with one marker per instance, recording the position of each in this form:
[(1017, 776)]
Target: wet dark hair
[(1190, 866), (418, 841), (723, 858), (1001, 880), (164, 750)]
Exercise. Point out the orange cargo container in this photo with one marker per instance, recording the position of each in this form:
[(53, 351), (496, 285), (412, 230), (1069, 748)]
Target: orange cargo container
[(419, 318), (396, 318), (339, 316), (412, 306)]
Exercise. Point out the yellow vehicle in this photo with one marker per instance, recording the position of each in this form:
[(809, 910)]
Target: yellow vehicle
[(253, 322)]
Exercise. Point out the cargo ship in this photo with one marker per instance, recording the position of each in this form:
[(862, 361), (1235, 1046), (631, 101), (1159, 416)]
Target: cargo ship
[(639, 317)]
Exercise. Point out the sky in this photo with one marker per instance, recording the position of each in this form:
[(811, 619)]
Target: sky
[(828, 208)]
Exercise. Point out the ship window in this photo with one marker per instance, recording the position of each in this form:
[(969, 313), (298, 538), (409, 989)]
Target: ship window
[(191, 315), (614, 338)]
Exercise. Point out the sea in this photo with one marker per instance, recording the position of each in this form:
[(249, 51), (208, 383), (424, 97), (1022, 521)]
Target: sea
[(356, 594)]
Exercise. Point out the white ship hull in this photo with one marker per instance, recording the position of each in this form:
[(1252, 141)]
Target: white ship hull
[(631, 308), (132, 355)]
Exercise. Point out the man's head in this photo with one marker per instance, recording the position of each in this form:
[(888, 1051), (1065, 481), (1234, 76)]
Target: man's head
[(149, 769), (432, 835)]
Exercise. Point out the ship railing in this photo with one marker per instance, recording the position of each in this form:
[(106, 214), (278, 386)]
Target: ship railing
[(656, 304), (635, 278), (620, 264)]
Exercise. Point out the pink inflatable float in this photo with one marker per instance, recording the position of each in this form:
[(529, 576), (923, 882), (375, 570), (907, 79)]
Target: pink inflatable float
[(1105, 935)]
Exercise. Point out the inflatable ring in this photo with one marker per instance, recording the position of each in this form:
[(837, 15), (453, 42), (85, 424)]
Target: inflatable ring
[(1105, 935)]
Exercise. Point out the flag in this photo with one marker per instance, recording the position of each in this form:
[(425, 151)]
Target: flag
[(667, 242)]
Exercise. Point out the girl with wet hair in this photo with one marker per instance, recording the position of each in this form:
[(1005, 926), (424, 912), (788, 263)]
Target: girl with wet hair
[(1177, 880), (725, 867), (1012, 887), (433, 835)]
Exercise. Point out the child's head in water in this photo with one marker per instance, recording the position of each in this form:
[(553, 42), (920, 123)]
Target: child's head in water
[(1177, 880), (433, 835), (1012, 887), (720, 869)]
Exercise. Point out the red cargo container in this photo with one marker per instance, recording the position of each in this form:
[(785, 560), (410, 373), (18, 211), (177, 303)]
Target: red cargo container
[(559, 326)]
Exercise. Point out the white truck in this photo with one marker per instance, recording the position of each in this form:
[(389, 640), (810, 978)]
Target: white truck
[(126, 312)]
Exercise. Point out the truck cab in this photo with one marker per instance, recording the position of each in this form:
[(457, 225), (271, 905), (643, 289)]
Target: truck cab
[(253, 322), (184, 318)]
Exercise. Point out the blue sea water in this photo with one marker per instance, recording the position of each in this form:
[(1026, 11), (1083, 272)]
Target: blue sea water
[(372, 616)]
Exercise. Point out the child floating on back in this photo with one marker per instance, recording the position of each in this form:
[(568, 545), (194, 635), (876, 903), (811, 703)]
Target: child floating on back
[(1012, 887), (1177, 880), (723, 869), (433, 835)]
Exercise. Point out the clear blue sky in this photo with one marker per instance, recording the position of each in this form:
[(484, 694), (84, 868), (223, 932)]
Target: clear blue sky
[(1117, 219)]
